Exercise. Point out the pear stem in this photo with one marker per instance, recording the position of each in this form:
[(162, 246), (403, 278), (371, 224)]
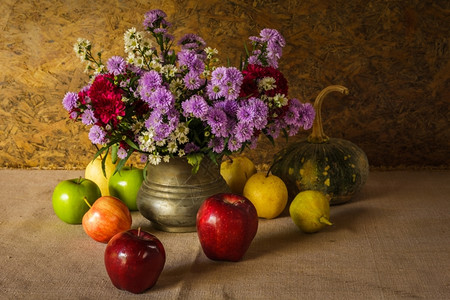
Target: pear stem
[(324, 220), (88, 204)]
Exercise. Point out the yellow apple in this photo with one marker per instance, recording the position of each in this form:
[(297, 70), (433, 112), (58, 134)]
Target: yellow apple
[(268, 193), (94, 172), (236, 172)]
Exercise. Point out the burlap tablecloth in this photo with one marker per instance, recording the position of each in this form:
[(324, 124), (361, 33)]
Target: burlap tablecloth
[(391, 242)]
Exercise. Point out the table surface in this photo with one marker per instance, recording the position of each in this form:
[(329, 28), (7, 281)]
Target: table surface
[(391, 242)]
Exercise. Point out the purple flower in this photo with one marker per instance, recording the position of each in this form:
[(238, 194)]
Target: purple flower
[(243, 132), (213, 91), (234, 76), (160, 30), (162, 123), (162, 131), (261, 113), (154, 119), (116, 65), (153, 18), (191, 41), (197, 66), (70, 101), (148, 83), (161, 99), (273, 41), (191, 147), (196, 105), (230, 107), (307, 116), (97, 135), (246, 113), (273, 129), (121, 153), (186, 57), (254, 60), (217, 119), (151, 80), (88, 118), (192, 81), (234, 145), (217, 144), (218, 76)]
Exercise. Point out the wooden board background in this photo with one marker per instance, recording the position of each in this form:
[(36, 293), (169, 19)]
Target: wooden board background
[(392, 55)]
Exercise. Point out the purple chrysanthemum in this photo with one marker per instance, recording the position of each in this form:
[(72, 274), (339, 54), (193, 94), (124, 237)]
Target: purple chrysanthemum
[(219, 75), (228, 106), (116, 65), (196, 105), (213, 91), (161, 99), (97, 135), (243, 132), (70, 101), (307, 116), (192, 81), (151, 80), (217, 144), (217, 119), (186, 57), (88, 118), (191, 147), (234, 144), (273, 129), (153, 18), (191, 41), (261, 112), (246, 113), (121, 153)]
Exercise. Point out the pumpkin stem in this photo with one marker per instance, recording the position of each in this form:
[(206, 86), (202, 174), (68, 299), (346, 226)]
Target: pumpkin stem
[(318, 136)]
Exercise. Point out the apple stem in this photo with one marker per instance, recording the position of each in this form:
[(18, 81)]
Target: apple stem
[(88, 204), (79, 180), (139, 231)]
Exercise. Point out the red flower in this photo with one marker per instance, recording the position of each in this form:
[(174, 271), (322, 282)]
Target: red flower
[(254, 73), (106, 100)]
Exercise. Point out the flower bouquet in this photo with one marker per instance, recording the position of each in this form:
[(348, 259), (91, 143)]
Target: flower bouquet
[(163, 103)]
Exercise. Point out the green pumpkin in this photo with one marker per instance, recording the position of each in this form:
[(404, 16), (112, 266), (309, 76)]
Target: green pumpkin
[(336, 167)]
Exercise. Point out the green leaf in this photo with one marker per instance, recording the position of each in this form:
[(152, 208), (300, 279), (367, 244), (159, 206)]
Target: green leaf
[(100, 151), (194, 160), (104, 163), (132, 144), (272, 141), (114, 149)]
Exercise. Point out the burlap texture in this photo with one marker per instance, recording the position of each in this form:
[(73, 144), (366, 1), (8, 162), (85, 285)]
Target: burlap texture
[(391, 242)]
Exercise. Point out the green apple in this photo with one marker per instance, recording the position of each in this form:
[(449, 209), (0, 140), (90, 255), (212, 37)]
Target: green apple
[(236, 172), (125, 185), (94, 172), (68, 199)]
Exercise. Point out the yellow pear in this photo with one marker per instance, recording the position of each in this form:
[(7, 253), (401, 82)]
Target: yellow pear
[(236, 172), (94, 172), (268, 193), (310, 211)]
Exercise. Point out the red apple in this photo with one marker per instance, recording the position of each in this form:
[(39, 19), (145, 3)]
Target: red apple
[(226, 226), (106, 217), (134, 259)]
